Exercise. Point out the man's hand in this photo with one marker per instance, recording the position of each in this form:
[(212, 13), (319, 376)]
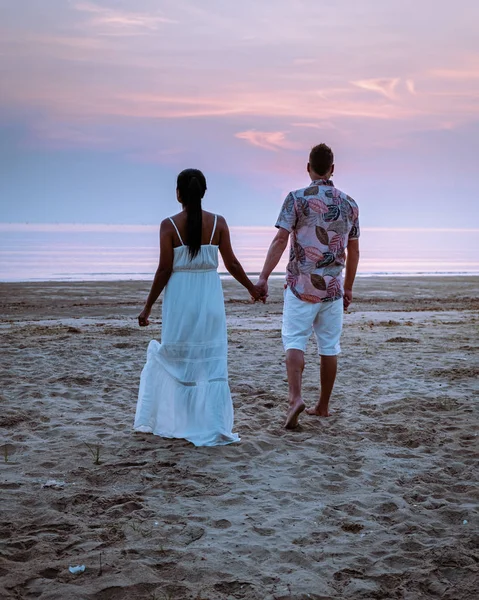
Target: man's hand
[(347, 298), (143, 317), (262, 287)]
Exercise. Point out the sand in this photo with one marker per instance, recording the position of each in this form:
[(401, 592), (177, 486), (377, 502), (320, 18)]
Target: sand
[(379, 501)]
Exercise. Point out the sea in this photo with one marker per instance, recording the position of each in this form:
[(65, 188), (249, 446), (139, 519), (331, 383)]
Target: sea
[(82, 252)]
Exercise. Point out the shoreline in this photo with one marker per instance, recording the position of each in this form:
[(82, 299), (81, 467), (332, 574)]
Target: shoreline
[(226, 276)]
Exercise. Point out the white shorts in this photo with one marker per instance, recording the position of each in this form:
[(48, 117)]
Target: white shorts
[(300, 318)]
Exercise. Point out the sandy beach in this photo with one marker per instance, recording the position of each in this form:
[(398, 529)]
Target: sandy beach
[(380, 501)]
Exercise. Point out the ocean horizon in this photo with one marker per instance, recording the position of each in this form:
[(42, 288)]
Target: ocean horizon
[(89, 252)]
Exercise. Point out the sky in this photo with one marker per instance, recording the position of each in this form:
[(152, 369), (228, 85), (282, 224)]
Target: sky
[(103, 102)]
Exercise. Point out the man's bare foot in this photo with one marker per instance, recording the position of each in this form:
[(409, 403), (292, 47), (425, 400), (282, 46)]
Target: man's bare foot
[(293, 413), (318, 412)]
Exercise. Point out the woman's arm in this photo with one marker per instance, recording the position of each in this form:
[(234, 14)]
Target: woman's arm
[(163, 272), (232, 264)]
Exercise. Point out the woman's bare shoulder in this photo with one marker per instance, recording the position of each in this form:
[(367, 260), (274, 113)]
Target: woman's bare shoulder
[(177, 218), (221, 221), (166, 225)]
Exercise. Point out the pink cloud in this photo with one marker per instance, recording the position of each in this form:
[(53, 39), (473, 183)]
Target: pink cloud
[(124, 22), (69, 98), (321, 125), (411, 86), (283, 91), (386, 87), (263, 103), (268, 140)]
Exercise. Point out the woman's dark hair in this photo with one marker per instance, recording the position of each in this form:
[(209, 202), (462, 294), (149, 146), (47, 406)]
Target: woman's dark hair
[(191, 186)]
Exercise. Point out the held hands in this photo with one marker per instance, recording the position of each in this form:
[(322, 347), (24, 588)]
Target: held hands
[(260, 291), (256, 295), (143, 317)]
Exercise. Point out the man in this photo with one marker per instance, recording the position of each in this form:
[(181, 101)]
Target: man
[(324, 228)]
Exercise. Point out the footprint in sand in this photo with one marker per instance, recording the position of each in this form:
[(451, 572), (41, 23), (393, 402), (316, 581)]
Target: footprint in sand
[(221, 524), (49, 573)]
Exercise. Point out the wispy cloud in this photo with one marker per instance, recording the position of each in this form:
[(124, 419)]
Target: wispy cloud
[(268, 140), (322, 125), (61, 99), (411, 86), (261, 102), (119, 22), (386, 86), (175, 107)]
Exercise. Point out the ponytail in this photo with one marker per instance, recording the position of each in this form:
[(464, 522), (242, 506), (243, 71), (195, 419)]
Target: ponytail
[(191, 186), (194, 217)]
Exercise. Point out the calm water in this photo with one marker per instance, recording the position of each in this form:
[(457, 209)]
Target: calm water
[(89, 252)]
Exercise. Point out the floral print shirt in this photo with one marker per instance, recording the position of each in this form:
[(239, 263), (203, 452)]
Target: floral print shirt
[(321, 220)]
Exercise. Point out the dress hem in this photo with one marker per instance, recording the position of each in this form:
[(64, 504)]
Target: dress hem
[(221, 439)]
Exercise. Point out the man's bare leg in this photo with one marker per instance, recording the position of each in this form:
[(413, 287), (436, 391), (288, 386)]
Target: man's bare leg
[(294, 368), (329, 367)]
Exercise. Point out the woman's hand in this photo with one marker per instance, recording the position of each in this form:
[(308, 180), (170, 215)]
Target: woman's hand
[(256, 295), (143, 317)]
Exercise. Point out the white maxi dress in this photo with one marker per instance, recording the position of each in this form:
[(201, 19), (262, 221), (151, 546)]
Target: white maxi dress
[(184, 391)]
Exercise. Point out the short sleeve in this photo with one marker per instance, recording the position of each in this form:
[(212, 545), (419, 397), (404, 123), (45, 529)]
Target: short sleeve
[(287, 217), (354, 232)]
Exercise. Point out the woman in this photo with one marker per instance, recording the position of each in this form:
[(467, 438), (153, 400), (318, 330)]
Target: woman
[(184, 390)]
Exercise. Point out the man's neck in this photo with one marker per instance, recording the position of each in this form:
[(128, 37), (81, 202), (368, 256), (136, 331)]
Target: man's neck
[(315, 176)]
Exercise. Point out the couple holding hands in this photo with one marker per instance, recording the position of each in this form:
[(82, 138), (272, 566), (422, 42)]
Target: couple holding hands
[(184, 391)]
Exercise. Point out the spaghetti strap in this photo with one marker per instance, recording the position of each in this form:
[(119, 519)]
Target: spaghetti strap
[(214, 229), (174, 225)]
